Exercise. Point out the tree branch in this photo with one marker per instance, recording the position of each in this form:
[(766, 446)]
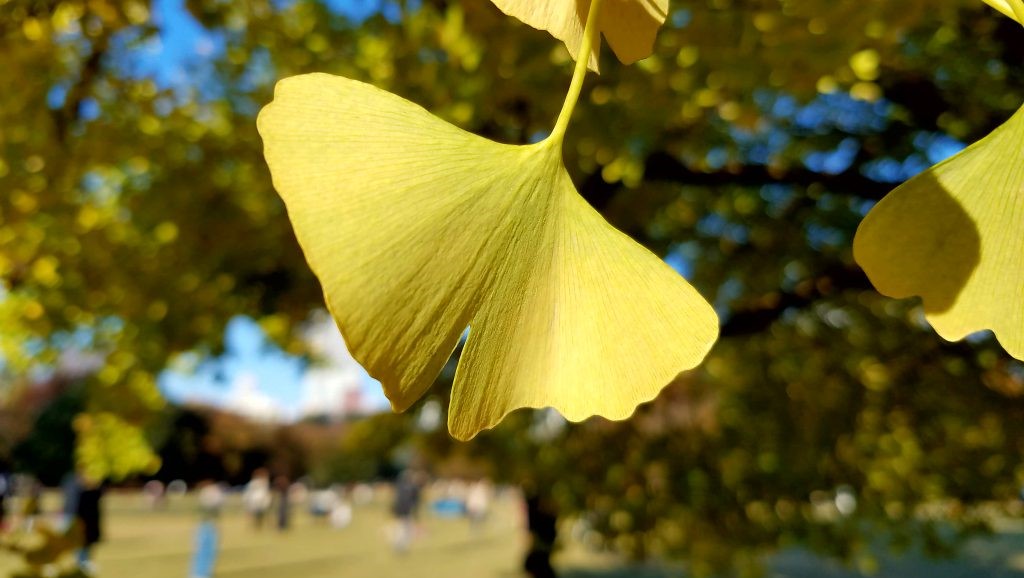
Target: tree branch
[(71, 112), (666, 168), (760, 314)]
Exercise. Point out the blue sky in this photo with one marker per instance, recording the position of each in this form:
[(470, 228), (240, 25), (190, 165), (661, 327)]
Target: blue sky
[(255, 377), (181, 52), (247, 350), (182, 38)]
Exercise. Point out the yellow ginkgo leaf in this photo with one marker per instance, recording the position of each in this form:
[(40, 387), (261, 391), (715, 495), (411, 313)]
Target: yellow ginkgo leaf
[(954, 235), (418, 229), (1012, 8), (630, 26)]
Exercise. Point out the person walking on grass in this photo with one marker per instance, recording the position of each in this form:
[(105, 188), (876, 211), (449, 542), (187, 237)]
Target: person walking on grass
[(541, 524), (207, 537), (5, 489), (408, 490), (341, 513), (82, 494), (478, 504), (257, 497), (282, 486)]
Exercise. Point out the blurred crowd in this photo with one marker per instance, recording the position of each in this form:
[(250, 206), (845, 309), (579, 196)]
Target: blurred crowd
[(58, 541)]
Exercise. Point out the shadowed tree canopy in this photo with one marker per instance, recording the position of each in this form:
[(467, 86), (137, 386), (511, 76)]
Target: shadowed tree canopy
[(137, 216)]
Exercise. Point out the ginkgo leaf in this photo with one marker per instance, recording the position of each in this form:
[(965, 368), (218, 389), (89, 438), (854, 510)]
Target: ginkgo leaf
[(954, 235), (1012, 8), (418, 229), (630, 26)]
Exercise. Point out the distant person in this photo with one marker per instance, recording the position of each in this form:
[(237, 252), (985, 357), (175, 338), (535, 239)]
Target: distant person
[(478, 503), (176, 489), (82, 496), (341, 513), (207, 537), (284, 505), (298, 493), (32, 507), (5, 488), (541, 520), (408, 491), (155, 494), (71, 491), (322, 503), (256, 498), (362, 494)]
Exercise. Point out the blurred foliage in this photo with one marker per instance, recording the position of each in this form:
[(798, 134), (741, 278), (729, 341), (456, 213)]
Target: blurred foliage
[(197, 444), (44, 452), (137, 216), (369, 449), (45, 552)]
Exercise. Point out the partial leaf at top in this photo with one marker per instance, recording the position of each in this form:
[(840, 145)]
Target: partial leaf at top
[(1007, 8), (630, 26)]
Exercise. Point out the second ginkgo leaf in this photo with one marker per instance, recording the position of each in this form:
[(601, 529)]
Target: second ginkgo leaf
[(418, 230), (954, 235)]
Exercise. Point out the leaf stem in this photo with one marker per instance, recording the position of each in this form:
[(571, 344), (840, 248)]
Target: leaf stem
[(591, 37)]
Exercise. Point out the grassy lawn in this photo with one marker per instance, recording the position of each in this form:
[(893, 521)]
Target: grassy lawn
[(140, 543)]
